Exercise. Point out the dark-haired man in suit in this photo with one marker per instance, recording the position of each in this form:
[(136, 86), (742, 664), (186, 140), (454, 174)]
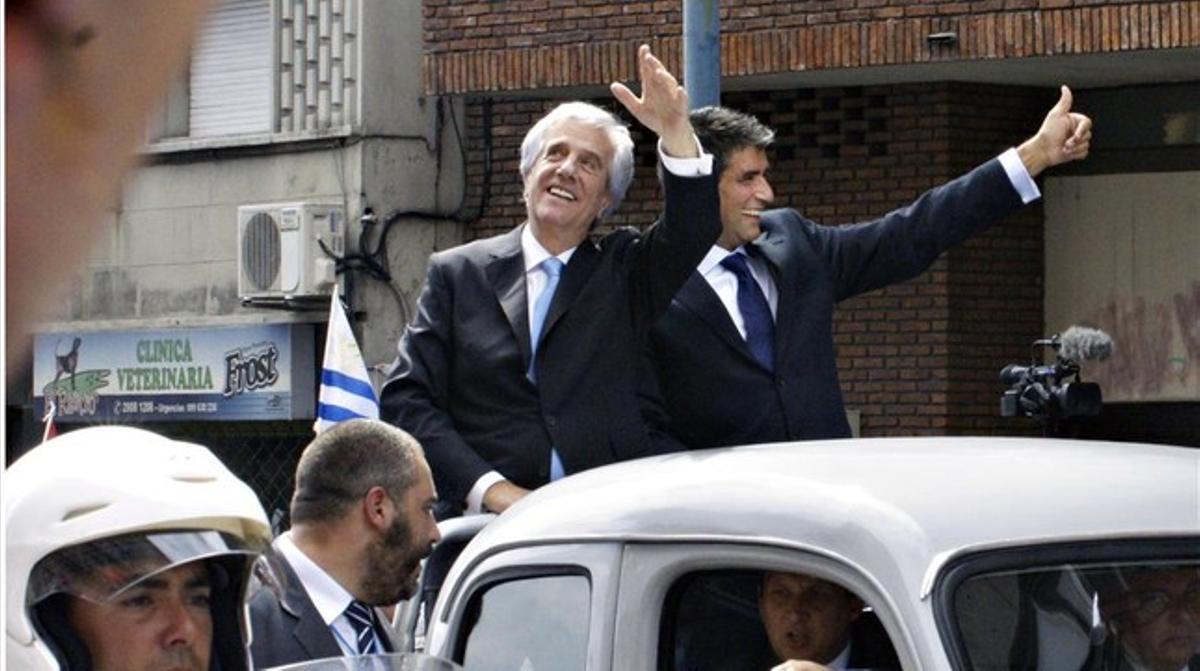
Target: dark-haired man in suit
[(812, 621), (744, 353), (362, 521)]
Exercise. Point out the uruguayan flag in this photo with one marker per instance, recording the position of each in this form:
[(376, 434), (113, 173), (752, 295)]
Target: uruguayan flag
[(346, 391)]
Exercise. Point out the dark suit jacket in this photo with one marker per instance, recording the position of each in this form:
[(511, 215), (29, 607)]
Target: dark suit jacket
[(285, 625), (459, 383), (717, 394)]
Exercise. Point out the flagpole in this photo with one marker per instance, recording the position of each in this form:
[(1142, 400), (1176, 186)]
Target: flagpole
[(51, 409)]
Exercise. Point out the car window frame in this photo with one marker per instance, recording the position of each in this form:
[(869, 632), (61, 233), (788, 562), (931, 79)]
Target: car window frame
[(650, 569), (1026, 557), (599, 562)]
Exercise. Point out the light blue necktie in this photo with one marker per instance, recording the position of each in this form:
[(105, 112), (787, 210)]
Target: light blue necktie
[(553, 268), (361, 619)]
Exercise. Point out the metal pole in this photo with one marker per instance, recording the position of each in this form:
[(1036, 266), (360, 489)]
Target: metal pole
[(702, 52)]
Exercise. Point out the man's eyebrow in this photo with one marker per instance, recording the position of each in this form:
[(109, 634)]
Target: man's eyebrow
[(196, 581)]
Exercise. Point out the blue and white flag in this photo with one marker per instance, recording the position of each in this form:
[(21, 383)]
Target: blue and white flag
[(346, 391)]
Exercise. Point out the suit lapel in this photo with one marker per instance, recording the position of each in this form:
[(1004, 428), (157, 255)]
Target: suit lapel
[(698, 297), (574, 277), (311, 632), (506, 273)]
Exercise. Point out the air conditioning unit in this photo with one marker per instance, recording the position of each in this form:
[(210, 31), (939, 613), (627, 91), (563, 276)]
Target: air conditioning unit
[(280, 252)]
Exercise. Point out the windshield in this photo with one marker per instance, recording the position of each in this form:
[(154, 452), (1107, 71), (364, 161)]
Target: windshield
[(1076, 616), (388, 662)]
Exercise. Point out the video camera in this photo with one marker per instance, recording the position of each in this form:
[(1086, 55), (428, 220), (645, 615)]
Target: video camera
[(1055, 391)]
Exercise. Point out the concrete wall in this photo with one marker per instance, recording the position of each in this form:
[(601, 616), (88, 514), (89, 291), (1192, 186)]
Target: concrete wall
[(1123, 255)]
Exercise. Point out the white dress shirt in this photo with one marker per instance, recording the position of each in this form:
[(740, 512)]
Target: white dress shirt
[(725, 283), (329, 597)]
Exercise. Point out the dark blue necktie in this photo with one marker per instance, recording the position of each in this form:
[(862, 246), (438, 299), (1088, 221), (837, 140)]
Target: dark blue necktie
[(756, 314), (363, 622)]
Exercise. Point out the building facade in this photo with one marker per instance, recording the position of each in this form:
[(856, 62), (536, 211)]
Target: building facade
[(315, 113)]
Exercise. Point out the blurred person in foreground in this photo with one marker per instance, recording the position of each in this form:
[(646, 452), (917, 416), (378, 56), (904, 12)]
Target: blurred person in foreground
[(81, 78), (127, 551)]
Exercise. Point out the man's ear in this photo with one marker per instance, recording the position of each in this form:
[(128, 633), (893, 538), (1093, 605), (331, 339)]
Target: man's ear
[(377, 507)]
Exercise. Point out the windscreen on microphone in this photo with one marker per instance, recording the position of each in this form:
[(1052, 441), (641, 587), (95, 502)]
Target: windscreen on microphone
[(1080, 343)]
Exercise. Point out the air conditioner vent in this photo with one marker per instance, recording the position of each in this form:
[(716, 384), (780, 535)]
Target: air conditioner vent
[(280, 254), (260, 251)]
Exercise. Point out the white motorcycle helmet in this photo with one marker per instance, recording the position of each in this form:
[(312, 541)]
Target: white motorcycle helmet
[(121, 496)]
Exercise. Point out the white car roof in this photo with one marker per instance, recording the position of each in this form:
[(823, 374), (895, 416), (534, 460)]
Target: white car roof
[(886, 505)]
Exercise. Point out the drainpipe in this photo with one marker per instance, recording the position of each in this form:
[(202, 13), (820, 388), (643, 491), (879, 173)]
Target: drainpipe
[(702, 52)]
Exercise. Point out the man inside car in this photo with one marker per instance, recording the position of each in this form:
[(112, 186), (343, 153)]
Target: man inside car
[(1155, 617), (811, 622)]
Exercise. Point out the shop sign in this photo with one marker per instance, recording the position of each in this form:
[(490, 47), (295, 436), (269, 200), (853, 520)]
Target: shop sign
[(236, 373)]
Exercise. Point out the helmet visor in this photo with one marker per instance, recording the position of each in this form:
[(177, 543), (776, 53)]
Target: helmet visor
[(103, 569)]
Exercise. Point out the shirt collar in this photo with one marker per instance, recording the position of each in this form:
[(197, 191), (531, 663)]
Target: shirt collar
[(329, 597), (713, 259), (535, 253)]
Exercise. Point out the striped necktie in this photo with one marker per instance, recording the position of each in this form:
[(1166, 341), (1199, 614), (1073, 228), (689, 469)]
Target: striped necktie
[(363, 621)]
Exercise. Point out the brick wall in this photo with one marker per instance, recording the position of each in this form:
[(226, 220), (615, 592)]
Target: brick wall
[(505, 45), (921, 357)]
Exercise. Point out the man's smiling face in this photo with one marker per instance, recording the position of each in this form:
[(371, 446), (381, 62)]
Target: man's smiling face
[(745, 193), (567, 187)]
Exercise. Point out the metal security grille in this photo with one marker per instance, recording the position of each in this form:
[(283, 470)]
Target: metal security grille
[(262, 454)]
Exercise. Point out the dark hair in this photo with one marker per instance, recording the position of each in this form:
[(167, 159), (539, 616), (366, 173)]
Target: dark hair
[(723, 131), (340, 465)]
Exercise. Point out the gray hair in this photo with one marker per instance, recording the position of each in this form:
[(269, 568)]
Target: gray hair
[(620, 169), (723, 131), (342, 464)]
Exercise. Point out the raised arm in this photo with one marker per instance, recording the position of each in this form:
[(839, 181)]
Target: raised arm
[(662, 107)]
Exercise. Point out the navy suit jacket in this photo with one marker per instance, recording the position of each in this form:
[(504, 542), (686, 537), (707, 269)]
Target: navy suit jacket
[(459, 384), (717, 394)]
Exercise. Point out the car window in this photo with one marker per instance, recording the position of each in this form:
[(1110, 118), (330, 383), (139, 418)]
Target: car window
[(528, 624), (1127, 614), (752, 620)]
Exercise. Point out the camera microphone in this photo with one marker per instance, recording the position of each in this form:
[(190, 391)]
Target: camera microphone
[(1079, 343)]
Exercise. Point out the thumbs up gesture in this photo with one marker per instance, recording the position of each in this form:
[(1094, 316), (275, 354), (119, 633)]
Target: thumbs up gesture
[(1064, 136)]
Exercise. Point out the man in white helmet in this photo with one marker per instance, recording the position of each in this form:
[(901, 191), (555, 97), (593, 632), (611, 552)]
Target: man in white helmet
[(127, 550)]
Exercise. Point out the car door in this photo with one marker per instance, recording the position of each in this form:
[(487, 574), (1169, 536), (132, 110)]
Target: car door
[(548, 607)]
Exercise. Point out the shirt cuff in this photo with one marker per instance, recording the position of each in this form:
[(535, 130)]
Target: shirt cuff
[(1017, 174), (687, 167), (475, 496)]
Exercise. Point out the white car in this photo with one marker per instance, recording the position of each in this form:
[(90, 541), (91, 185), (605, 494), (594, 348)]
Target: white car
[(969, 553)]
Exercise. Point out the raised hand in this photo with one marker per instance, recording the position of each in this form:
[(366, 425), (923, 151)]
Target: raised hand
[(662, 107), (1064, 136)]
